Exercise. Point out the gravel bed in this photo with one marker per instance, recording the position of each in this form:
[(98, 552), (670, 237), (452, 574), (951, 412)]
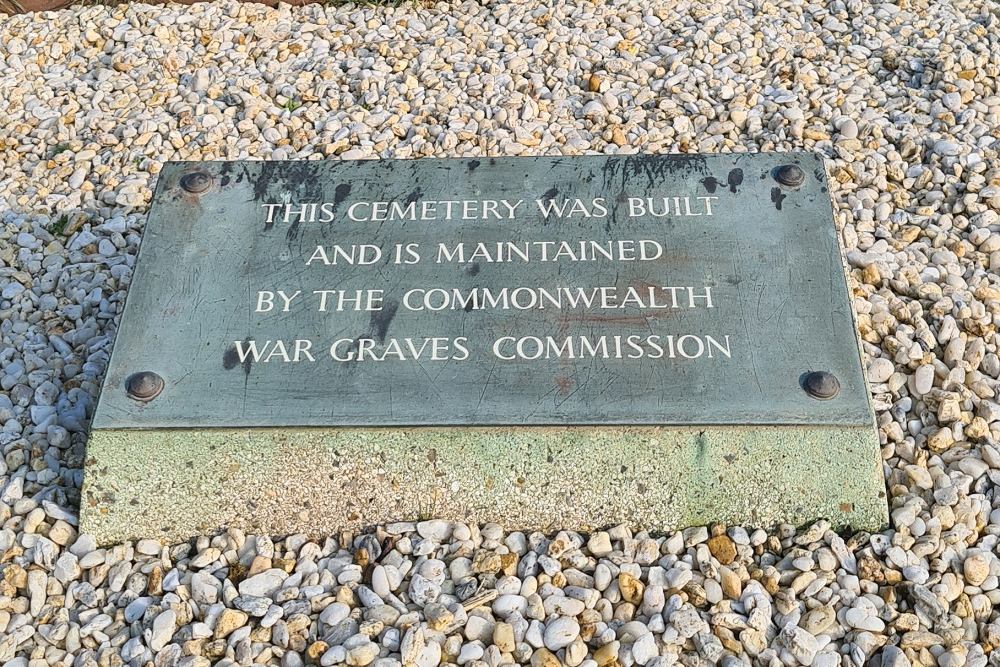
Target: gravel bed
[(900, 97)]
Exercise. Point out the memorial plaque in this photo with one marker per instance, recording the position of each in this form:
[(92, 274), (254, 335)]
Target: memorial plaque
[(543, 342)]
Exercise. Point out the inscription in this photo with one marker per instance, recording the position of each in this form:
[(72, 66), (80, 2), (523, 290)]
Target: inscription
[(565, 299), (425, 210), (491, 291)]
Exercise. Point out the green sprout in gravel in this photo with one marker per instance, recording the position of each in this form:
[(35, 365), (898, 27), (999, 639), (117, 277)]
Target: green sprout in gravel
[(59, 225)]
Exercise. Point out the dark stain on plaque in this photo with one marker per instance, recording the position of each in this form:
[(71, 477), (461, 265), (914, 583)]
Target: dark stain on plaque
[(657, 167), (340, 194), (301, 178), (243, 173), (349, 353), (777, 197), (735, 179), (231, 358), (293, 231), (260, 185), (381, 319), (473, 165)]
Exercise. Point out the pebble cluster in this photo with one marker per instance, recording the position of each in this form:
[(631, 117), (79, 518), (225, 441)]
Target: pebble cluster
[(901, 97)]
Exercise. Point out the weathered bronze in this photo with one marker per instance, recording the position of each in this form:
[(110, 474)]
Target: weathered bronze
[(196, 182), (790, 175), (821, 385), (143, 386)]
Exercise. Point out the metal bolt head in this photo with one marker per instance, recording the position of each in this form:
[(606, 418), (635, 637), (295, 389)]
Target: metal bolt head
[(143, 386), (196, 182), (790, 175), (822, 385)]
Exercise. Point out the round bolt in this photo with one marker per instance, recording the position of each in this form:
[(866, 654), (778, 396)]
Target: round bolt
[(790, 175), (196, 182), (821, 384), (143, 386)]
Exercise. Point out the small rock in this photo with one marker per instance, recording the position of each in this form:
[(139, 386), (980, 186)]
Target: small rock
[(722, 548), (976, 568), (560, 632), (228, 621), (163, 629)]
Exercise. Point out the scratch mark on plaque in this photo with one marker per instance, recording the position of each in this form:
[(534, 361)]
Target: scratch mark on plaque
[(642, 319), (777, 310), (774, 313), (246, 367), (570, 395), (538, 403), (428, 376), (743, 313), (489, 376), (829, 292)]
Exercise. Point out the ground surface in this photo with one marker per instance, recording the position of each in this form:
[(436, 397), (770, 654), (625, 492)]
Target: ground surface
[(902, 98), (21, 6)]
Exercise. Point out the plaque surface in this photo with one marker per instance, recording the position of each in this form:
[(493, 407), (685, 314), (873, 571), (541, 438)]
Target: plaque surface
[(527, 303)]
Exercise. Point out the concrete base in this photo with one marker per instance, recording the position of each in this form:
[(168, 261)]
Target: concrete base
[(176, 483)]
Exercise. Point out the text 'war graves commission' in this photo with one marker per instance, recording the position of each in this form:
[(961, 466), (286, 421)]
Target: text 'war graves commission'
[(478, 317)]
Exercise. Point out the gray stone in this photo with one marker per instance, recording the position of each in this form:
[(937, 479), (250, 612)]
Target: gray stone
[(164, 626), (263, 584)]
